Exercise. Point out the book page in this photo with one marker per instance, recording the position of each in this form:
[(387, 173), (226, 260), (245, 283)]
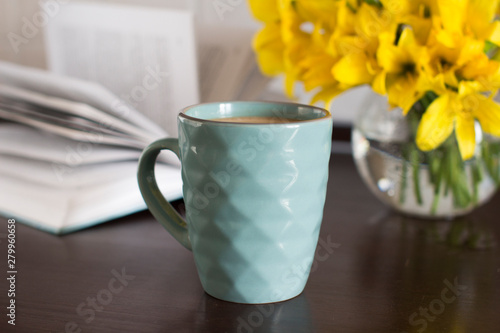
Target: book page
[(62, 210), (60, 128), (147, 57), (66, 176), (23, 141), (71, 89), (70, 114)]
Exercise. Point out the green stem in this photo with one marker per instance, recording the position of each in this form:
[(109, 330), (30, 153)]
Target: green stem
[(458, 177), (404, 176), (477, 177), (437, 169), (435, 203), (490, 152), (415, 162)]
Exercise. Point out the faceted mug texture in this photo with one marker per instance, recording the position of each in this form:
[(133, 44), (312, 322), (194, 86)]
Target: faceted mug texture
[(254, 198)]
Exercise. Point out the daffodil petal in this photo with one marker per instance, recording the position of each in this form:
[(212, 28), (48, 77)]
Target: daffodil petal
[(369, 24), (312, 10), (484, 9), (378, 84), (346, 18), (434, 83), (390, 58), (446, 38), (400, 7), (452, 14), (480, 13), (327, 94), (352, 70), (404, 94), (421, 27), (269, 48), (267, 37), (319, 75), (494, 33), (436, 124), (346, 45), (407, 41), (265, 10), (488, 114), (470, 51), (465, 134), (290, 85), (450, 78)]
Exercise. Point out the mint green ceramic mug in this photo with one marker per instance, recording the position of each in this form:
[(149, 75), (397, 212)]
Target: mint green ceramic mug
[(254, 195)]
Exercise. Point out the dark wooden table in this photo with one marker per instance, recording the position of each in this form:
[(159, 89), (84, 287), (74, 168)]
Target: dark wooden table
[(375, 271)]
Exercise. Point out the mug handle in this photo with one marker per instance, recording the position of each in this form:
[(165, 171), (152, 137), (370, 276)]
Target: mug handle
[(161, 209)]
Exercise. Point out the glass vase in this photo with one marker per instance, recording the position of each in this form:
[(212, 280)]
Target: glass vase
[(435, 184)]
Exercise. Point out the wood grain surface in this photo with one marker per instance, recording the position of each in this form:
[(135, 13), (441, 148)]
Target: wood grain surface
[(375, 271)]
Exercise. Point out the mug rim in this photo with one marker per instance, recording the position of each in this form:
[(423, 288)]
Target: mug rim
[(183, 114)]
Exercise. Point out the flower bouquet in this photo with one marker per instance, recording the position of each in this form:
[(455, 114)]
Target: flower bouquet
[(438, 61)]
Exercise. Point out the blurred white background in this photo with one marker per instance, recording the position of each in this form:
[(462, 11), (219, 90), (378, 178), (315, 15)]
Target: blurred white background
[(14, 13)]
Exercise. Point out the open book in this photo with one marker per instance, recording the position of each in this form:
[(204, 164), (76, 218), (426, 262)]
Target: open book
[(119, 75), (68, 158)]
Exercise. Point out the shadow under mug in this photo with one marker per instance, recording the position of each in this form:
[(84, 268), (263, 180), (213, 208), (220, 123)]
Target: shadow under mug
[(254, 195)]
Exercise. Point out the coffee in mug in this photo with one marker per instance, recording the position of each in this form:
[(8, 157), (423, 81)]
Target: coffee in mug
[(256, 120)]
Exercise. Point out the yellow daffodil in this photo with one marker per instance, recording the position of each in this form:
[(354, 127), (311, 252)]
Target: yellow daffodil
[(353, 69), (458, 111), (279, 35), (265, 10), (269, 48), (319, 11), (439, 58), (466, 63), (357, 32), (480, 17), (305, 57), (401, 70), (357, 47), (459, 17), (403, 49), (401, 8), (268, 43), (416, 14)]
